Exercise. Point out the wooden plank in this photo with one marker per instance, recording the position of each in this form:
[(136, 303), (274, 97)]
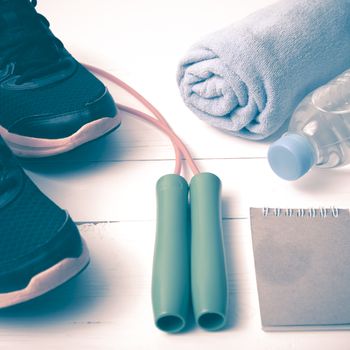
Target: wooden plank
[(108, 306), (119, 191), (137, 140)]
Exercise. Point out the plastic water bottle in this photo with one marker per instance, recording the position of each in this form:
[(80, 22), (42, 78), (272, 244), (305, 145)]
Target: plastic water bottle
[(318, 133)]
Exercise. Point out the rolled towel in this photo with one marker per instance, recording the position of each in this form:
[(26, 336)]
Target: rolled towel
[(248, 78)]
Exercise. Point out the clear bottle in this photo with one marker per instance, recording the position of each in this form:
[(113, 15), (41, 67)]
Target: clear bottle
[(318, 133)]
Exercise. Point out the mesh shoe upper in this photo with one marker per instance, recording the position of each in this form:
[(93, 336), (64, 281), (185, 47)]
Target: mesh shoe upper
[(35, 233), (28, 222), (40, 82), (64, 96)]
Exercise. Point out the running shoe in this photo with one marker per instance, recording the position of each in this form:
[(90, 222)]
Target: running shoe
[(49, 102), (40, 246)]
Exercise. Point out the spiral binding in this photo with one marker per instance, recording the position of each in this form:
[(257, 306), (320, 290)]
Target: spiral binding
[(310, 212)]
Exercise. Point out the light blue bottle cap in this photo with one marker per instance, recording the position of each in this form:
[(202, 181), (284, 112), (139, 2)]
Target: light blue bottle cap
[(291, 156)]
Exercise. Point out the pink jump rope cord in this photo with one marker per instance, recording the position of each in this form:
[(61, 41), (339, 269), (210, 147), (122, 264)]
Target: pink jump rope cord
[(158, 120)]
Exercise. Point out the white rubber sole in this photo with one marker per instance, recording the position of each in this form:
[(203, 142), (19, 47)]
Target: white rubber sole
[(31, 147), (47, 280)]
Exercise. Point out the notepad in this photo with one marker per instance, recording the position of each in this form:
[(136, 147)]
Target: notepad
[(302, 264)]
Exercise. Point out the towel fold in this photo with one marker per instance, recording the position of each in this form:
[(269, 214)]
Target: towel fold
[(248, 78)]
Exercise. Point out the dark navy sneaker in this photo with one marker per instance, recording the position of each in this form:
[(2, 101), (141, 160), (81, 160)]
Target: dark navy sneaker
[(40, 246), (49, 103)]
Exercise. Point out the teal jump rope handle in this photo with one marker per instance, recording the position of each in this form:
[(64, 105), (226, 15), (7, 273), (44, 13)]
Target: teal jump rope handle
[(208, 267), (171, 263)]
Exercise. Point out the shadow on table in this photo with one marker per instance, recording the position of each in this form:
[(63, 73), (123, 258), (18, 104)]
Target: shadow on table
[(87, 157), (233, 309), (65, 303), (323, 179)]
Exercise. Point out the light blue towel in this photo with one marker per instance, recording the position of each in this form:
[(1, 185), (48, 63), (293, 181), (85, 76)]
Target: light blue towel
[(248, 78)]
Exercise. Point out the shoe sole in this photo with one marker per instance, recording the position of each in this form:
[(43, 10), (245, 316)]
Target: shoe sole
[(47, 280), (32, 147)]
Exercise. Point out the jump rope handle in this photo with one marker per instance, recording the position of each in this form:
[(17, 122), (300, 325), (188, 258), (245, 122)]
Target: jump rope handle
[(189, 257), (208, 266), (171, 262)]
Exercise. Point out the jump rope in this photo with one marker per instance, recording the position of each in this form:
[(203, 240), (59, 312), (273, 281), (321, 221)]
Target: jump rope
[(189, 267)]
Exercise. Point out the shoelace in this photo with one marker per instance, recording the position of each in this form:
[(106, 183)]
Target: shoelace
[(36, 52)]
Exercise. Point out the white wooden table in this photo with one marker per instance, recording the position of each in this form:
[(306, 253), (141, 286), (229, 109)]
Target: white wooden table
[(108, 187)]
